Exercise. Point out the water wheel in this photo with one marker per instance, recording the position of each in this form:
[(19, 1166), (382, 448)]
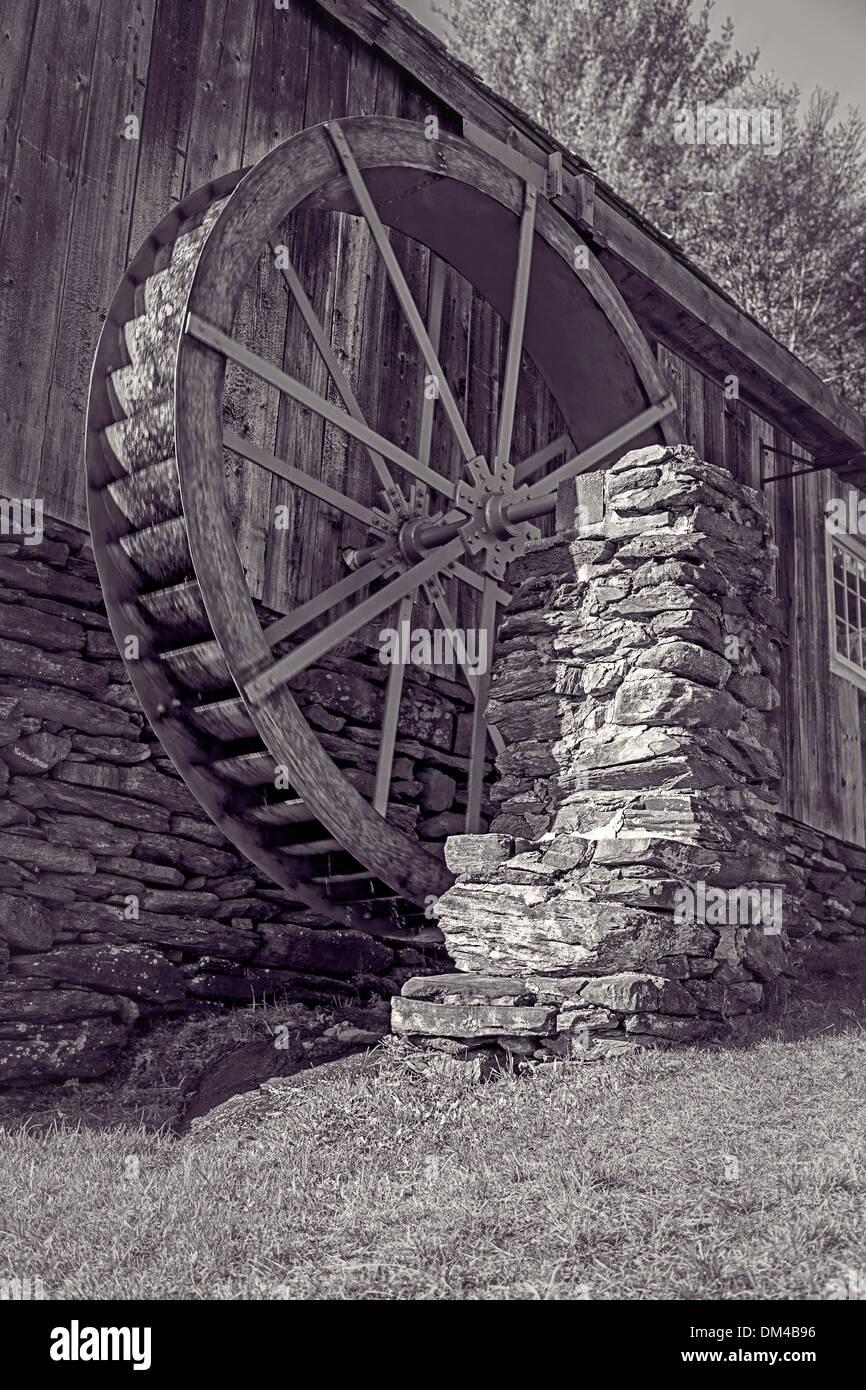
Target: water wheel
[(215, 672)]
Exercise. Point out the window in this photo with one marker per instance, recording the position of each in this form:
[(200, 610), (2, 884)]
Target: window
[(846, 583)]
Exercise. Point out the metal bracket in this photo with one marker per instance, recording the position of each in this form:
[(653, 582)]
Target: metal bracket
[(817, 466)]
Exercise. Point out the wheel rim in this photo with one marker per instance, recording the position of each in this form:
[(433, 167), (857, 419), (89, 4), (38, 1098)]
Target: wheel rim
[(479, 218)]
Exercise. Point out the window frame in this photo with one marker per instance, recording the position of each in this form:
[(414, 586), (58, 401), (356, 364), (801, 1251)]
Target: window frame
[(841, 665)]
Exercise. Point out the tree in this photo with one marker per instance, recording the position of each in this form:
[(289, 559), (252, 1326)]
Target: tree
[(783, 233)]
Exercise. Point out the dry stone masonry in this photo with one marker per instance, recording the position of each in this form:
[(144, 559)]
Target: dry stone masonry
[(637, 883), (119, 899), (635, 683)]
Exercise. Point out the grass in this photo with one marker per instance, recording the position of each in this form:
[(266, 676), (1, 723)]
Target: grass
[(590, 1180)]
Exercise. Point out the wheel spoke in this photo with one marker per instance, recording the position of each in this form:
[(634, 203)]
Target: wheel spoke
[(341, 381), (479, 725), (329, 598), (515, 332), (262, 685), (215, 338), (435, 295), (393, 695), (401, 289), (436, 595), (252, 451), (611, 442), (479, 581), (531, 465)]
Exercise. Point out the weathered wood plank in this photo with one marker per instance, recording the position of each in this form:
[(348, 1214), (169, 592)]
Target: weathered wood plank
[(97, 245), (278, 79), (36, 231), (714, 423), (165, 125), (17, 21), (222, 92), (314, 249)]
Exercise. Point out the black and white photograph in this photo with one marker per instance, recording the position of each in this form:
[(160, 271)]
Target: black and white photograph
[(432, 672)]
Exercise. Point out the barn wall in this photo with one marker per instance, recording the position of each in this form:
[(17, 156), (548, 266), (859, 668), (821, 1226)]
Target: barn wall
[(77, 198), (823, 715)]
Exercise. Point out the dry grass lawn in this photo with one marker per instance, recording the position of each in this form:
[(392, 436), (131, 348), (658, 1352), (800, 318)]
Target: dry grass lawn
[(709, 1173)]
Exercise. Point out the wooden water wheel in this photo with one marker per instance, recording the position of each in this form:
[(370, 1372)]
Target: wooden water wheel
[(213, 670)]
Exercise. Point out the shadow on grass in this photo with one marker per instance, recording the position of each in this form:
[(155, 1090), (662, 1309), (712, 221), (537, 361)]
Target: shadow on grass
[(152, 1083), (826, 996)]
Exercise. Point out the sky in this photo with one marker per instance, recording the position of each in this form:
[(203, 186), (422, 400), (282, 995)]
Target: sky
[(810, 42)]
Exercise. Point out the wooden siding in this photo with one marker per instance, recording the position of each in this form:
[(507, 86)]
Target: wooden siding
[(215, 85)]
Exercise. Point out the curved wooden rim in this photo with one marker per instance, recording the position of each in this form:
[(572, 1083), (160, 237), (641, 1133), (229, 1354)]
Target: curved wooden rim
[(121, 582), (294, 172)]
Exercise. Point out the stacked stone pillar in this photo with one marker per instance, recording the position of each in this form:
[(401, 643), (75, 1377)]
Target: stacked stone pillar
[(632, 886)]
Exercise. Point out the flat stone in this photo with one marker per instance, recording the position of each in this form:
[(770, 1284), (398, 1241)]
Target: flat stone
[(31, 663), (20, 1003), (145, 783), (38, 578), (178, 900), (437, 789), (341, 952), (135, 970), (527, 931), (199, 829), (162, 874), (665, 1026), (649, 698), (113, 750), (633, 993), (105, 806), (444, 824), (468, 989), (427, 718), (86, 1047), (36, 753), (650, 457), (28, 849), (191, 855), (181, 933), (22, 623), (417, 1016), (74, 711), (27, 925), (90, 833), (755, 691), (478, 857), (687, 659)]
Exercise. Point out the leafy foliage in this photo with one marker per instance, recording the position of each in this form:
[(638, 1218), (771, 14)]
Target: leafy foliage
[(785, 234)]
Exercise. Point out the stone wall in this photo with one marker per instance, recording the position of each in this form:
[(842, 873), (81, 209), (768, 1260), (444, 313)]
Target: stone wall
[(635, 883), (635, 682), (830, 878), (96, 825)]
